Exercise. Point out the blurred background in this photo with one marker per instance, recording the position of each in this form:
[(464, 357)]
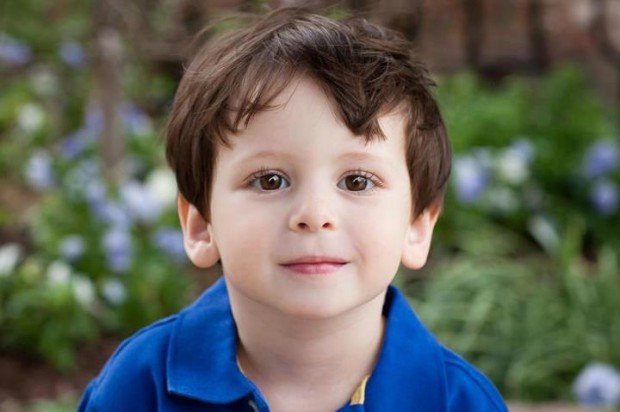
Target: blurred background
[(523, 277)]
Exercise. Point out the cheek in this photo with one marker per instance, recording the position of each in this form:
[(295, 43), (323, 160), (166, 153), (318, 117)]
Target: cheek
[(242, 233), (380, 238)]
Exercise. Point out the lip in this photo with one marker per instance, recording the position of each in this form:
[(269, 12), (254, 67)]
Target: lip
[(315, 259), (314, 268), (315, 265)]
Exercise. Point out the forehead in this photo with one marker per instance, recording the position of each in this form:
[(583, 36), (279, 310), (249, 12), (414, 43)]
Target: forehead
[(305, 123)]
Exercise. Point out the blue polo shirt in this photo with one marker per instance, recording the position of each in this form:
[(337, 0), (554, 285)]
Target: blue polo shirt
[(187, 362)]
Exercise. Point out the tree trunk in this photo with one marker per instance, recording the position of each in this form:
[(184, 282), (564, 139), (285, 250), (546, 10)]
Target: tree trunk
[(108, 91)]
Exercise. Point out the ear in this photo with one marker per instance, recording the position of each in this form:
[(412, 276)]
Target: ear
[(419, 235), (197, 235)]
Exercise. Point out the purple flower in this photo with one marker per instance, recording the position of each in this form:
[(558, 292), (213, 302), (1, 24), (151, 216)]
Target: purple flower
[(72, 247), (598, 384), (601, 158), (170, 241), (118, 249), (604, 197), (39, 171), (135, 120), (13, 52), (73, 54), (471, 178), (95, 192), (74, 144), (112, 213)]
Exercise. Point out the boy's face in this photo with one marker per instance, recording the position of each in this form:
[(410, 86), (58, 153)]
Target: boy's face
[(316, 197)]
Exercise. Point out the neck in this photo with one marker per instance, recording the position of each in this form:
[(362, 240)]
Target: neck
[(276, 351)]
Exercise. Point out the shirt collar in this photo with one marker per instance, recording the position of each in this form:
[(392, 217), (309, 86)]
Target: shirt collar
[(201, 361), (409, 374)]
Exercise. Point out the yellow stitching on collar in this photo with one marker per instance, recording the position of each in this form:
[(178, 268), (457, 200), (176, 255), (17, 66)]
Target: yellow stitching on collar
[(360, 393)]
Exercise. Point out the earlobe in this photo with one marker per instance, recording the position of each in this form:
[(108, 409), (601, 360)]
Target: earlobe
[(418, 239), (198, 237)]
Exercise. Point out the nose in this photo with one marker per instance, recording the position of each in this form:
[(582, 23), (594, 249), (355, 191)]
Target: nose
[(312, 213)]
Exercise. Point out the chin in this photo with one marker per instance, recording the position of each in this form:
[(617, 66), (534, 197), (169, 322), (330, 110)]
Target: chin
[(312, 309)]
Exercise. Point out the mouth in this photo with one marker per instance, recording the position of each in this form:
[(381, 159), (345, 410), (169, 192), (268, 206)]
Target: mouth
[(314, 268), (314, 265)]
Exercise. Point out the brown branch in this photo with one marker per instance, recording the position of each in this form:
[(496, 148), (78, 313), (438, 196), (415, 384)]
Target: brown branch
[(497, 69), (600, 32), (165, 44), (108, 92), (536, 35), (473, 32)]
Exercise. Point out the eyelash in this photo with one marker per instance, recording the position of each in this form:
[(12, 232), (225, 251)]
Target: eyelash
[(263, 171)]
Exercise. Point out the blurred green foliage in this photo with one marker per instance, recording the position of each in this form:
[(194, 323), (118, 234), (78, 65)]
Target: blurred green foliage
[(99, 257), (525, 277)]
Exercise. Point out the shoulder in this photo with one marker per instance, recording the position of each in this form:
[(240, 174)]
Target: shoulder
[(467, 388), (133, 374)]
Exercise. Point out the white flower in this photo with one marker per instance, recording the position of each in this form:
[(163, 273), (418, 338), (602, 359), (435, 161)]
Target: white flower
[(502, 199), (9, 256), (139, 201), (30, 118), (83, 176), (45, 82), (513, 162), (162, 185), (544, 232), (598, 384), (483, 156), (58, 273), (512, 168), (114, 291), (83, 290)]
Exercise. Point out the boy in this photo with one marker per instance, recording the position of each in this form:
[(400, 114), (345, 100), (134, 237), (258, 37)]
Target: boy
[(311, 160)]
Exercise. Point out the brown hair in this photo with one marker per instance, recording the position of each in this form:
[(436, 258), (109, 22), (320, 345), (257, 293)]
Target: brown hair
[(365, 69)]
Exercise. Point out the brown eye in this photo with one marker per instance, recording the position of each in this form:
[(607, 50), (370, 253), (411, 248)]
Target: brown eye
[(268, 182), (356, 183)]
